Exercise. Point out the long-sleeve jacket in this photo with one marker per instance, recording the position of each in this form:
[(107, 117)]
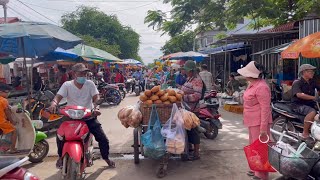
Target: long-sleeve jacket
[(257, 108)]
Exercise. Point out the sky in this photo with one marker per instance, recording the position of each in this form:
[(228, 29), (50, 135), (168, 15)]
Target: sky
[(129, 12)]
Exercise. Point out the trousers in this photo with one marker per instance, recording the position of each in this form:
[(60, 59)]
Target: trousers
[(98, 133)]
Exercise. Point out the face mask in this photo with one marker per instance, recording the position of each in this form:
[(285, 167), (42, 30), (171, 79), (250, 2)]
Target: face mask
[(81, 80)]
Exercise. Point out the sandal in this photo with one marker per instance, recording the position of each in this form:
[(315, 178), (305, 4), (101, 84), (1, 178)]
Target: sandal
[(10, 151), (194, 158), (111, 163), (250, 173)]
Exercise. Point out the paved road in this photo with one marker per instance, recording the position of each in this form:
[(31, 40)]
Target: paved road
[(221, 158)]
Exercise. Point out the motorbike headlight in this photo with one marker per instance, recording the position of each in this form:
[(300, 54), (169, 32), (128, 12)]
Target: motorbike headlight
[(30, 176), (76, 114)]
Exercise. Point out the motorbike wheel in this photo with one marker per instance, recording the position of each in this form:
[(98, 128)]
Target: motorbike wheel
[(280, 125), (136, 146), (123, 94), (73, 170), (115, 94), (39, 151), (212, 132)]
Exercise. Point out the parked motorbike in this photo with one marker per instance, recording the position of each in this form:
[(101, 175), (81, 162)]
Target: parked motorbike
[(110, 93), (77, 153), (39, 101), (10, 162), (276, 92), (209, 119), (121, 89)]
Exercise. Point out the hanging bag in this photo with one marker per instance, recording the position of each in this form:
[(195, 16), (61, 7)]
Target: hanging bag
[(174, 131), (152, 140), (257, 156)]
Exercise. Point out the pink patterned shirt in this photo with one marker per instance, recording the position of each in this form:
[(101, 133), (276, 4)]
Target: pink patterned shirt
[(257, 105), (192, 92)]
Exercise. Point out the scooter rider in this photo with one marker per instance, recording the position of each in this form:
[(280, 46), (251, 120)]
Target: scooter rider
[(303, 96), (82, 92)]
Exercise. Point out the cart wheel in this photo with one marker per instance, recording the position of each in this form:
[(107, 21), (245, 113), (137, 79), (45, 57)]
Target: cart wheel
[(136, 146), (162, 172)]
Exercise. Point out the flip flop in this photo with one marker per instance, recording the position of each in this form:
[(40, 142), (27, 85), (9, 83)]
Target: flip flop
[(250, 173), (111, 163), (194, 158)]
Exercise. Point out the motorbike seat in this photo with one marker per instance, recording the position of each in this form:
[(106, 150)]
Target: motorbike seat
[(288, 108), (7, 161)]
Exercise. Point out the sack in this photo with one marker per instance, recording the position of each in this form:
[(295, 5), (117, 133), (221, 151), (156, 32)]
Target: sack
[(257, 157), (175, 141), (152, 140)]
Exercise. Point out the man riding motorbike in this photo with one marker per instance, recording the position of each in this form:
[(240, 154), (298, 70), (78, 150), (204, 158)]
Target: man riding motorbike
[(138, 76), (303, 96), (82, 92)]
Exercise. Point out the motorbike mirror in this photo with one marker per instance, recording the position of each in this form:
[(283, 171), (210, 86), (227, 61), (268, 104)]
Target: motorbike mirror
[(38, 124)]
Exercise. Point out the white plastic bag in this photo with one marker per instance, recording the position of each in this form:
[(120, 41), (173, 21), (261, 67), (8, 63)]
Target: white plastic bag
[(175, 141)]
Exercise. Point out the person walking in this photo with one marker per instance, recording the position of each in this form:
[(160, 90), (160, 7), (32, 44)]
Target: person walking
[(257, 110), (206, 77)]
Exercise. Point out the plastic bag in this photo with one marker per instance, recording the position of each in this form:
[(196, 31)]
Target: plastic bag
[(257, 157), (152, 140), (175, 141), (130, 116)]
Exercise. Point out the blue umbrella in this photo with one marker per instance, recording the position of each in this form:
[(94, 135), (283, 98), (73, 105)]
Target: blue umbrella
[(60, 54), (34, 39)]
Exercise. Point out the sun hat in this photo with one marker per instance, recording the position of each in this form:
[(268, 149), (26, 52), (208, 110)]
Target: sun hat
[(190, 66), (79, 67), (304, 67), (250, 70)]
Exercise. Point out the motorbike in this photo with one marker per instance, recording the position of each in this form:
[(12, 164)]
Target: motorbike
[(128, 84), (10, 163), (209, 119), (137, 87), (121, 89), (110, 93), (77, 153), (151, 83), (38, 102), (276, 92)]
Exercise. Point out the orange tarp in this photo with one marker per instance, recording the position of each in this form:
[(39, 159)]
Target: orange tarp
[(308, 47)]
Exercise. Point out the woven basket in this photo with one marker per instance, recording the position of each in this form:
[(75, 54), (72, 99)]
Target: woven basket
[(164, 112)]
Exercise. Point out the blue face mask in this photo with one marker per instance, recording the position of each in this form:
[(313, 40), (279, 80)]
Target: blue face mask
[(81, 80)]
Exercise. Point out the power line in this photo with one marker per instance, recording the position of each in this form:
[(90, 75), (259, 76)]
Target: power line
[(37, 12), (26, 11), (88, 1), (46, 7), (16, 12)]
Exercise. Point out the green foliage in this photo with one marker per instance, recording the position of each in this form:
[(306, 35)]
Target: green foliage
[(221, 36), (222, 14), (103, 31), (183, 42)]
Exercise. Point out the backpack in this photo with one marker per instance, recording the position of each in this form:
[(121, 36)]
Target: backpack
[(204, 89)]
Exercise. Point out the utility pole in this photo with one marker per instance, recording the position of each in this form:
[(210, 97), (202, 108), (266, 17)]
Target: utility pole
[(4, 5)]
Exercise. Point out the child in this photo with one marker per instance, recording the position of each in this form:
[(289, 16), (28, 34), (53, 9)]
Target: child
[(6, 121)]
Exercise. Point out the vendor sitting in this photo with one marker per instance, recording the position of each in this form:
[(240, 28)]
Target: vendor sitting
[(6, 121), (192, 90), (233, 85)]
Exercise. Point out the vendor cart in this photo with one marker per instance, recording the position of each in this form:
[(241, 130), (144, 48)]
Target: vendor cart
[(164, 112)]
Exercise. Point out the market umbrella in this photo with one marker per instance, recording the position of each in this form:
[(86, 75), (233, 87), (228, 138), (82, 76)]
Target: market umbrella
[(132, 61), (34, 39), (60, 54), (92, 53), (186, 56), (307, 47)]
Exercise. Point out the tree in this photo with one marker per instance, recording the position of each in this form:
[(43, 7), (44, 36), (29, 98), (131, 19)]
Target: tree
[(183, 42), (103, 31), (222, 14)]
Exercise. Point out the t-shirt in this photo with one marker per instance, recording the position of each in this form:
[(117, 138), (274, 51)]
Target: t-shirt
[(206, 77), (302, 86), (79, 97)]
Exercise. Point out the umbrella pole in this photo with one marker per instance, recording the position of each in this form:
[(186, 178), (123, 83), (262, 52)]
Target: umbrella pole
[(27, 76)]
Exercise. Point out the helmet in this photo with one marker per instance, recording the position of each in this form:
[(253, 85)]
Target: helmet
[(100, 74), (315, 130)]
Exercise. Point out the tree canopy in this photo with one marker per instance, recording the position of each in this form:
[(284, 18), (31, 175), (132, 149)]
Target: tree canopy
[(222, 14), (182, 42), (103, 31)]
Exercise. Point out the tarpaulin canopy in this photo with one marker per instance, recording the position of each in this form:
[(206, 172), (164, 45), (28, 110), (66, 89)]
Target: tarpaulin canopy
[(186, 56), (307, 47), (273, 50), (94, 53)]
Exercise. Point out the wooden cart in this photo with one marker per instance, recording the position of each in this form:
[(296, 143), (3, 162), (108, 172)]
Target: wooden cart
[(164, 112)]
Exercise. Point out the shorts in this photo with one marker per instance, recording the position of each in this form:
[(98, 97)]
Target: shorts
[(303, 109), (6, 127), (193, 136)]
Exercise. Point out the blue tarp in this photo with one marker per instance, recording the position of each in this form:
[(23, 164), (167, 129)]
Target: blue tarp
[(223, 48)]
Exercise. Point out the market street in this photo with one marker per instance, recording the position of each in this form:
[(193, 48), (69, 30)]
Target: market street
[(222, 158)]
